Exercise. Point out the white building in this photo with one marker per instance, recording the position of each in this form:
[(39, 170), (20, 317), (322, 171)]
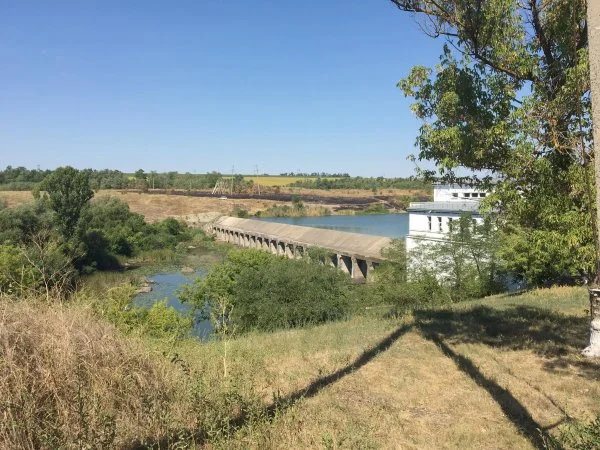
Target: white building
[(430, 221)]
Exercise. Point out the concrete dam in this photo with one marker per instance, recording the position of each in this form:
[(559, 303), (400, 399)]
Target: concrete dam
[(352, 253)]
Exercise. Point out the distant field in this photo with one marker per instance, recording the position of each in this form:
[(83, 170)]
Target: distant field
[(280, 181)]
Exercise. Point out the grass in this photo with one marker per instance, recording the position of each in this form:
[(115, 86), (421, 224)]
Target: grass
[(500, 372)]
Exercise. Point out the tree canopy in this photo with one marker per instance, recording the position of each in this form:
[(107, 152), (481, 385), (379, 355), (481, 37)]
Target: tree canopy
[(510, 102)]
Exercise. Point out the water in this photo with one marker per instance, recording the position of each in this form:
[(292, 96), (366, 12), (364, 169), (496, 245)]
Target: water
[(167, 285), (389, 225)]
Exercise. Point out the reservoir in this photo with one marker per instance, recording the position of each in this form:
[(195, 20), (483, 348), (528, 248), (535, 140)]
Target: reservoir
[(388, 225)]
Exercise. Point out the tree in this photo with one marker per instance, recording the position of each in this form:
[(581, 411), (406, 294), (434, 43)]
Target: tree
[(511, 97), (593, 16), (510, 102), (69, 192)]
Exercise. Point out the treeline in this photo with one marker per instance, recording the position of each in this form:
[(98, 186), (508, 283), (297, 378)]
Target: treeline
[(23, 179), (314, 174), (370, 183)]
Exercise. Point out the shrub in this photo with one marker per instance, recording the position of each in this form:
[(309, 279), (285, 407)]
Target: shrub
[(268, 292), (163, 320)]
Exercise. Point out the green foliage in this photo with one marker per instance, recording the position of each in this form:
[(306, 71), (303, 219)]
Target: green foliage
[(69, 192), (267, 292), (239, 212), (578, 435), (375, 208), (108, 229), (18, 225), (370, 183), (512, 99), (14, 273), (41, 268), (465, 264), (161, 320)]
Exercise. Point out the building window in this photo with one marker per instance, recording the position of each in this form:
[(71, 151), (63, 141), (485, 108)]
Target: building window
[(439, 224), (429, 222), (455, 194), (467, 195), (450, 223), (482, 194)]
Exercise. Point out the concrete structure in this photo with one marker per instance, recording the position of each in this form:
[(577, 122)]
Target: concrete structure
[(353, 253), (430, 221)]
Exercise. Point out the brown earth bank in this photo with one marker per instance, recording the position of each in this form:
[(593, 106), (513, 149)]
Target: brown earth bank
[(198, 207)]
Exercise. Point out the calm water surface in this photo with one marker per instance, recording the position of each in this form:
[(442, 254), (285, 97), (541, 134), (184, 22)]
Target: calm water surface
[(168, 285), (389, 225)]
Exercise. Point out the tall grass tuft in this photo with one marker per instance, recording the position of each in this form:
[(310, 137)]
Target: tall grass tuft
[(69, 381)]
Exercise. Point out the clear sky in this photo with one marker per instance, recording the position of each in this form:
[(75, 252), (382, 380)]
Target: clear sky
[(203, 85)]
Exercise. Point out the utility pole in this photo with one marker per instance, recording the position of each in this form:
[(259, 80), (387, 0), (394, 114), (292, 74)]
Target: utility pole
[(256, 175), (593, 28)]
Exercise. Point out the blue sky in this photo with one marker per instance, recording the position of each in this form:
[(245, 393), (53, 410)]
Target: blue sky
[(203, 85)]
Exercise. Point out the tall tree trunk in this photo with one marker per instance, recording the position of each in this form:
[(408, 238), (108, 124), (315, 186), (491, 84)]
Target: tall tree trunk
[(593, 26)]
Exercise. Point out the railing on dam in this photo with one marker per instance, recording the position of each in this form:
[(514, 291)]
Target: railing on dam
[(353, 253)]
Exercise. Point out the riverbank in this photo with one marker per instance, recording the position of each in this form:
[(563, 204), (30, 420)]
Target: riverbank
[(485, 374)]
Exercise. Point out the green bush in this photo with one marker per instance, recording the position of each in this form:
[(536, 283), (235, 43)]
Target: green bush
[(163, 320), (18, 225), (268, 292), (158, 321), (108, 229)]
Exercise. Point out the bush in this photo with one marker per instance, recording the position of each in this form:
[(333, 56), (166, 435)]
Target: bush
[(163, 320), (158, 321), (268, 292), (109, 229)]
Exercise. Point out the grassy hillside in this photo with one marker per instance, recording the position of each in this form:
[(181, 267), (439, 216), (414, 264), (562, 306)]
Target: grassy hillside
[(502, 372)]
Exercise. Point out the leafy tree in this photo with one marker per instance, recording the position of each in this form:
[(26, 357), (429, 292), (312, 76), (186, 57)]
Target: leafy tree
[(465, 264), (69, 192), (510, 101)]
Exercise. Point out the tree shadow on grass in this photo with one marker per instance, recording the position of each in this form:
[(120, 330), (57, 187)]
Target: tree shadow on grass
[(280, 404), (557, 337)]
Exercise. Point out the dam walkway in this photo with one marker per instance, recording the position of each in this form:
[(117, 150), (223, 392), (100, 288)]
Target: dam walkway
[(353, 253)]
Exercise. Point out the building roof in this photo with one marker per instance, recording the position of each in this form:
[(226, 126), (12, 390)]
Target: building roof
[(446, 207)]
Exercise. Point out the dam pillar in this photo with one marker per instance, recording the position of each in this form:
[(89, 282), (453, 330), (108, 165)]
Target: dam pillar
[(289, 250), (332, 260), (359, 269), (344, 264)]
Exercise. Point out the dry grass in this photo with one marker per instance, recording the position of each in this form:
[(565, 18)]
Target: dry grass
[(14, 198), (497, 373), (67, 380)]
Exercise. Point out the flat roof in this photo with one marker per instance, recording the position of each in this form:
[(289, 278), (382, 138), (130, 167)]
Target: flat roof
[(457, 207)]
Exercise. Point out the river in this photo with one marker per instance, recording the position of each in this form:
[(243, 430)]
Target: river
[(388, 225)]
